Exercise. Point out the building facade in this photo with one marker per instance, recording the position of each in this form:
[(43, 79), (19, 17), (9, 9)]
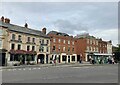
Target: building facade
[(89, 47), (23, 45), (62, 47)]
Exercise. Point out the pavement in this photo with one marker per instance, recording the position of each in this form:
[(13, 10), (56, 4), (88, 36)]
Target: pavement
[(47, 65), (51, 65)]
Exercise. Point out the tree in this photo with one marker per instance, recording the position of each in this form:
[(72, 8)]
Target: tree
[(117, 54)]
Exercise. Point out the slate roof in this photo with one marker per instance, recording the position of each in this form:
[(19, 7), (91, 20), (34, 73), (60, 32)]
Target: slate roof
[(58, 33), (21, 29)]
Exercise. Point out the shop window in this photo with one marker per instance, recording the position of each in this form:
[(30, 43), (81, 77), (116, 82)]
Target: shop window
[(73, 58), (63, 58)]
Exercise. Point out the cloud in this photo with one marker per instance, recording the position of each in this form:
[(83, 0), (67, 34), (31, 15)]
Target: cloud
[(72, 18), (69, 27)]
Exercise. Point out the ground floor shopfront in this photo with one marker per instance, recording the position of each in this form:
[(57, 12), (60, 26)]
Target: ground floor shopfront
[(21, 57), (99, 58), (63, 58)]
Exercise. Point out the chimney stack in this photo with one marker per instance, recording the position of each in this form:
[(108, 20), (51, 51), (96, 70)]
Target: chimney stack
[(2, 18), (26, 25), (44, 30), (7, 20)]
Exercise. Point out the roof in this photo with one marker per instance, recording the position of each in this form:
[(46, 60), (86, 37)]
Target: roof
[(21, 29), (58, 33)]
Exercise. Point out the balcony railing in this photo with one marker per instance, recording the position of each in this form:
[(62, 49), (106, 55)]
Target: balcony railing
[(30, 42), (18, 41)]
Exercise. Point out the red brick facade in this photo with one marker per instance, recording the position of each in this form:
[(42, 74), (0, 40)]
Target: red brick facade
[(62, 44)]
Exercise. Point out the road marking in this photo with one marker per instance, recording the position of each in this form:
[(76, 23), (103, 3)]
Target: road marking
[(30, 69), (1, 70), (9, 69), (39, 68), (19, 69), (24, 69), (34, 68)]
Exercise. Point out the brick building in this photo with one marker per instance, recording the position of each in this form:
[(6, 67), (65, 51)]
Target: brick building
[(88, 47), (62, 47)]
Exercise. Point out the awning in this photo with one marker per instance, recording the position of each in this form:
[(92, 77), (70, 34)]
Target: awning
[(102, 54), (3, 50)]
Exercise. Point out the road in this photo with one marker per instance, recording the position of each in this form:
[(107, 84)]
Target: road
[(62, 74)]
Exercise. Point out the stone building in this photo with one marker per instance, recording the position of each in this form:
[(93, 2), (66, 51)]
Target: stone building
[(23, 45)]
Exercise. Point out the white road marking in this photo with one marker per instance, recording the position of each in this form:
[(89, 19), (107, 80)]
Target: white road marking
[(24, 69), (19, 69), (39, 68), (29, 68), (9, 69), (34, 68)]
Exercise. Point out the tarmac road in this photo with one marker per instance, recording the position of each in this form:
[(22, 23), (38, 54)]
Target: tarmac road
[(62, 74)]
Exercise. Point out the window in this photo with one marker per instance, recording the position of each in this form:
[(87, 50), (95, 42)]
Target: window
[(19, 37), (42, 41), (13, 36), (73, 43), (28, 39), (53, 40), (73, 58), (12, 46), (33, 48), (59, 48), (47, 41), (63, 58), (47, 49), (96, 42), (53, 47), (33, 40), (64, 41), (0, 43), (63, 48), (68, 49), (59, 40), (11, 57), (90, 41), (19, 47), (28, 48), (73, 49), (87, 41), (87, 48), (42, 49), (68, 42)]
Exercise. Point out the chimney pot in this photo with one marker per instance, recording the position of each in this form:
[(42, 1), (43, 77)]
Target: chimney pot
[(44, 30), (2, 18), (7, 20), (26, 25)]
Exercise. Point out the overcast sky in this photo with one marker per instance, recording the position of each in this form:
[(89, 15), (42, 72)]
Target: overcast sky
[(99, 19)]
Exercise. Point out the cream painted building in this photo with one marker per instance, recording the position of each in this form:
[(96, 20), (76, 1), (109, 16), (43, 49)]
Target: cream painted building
[(22, 45)]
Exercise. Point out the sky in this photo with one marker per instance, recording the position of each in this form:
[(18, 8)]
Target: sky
[(99, 19)]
